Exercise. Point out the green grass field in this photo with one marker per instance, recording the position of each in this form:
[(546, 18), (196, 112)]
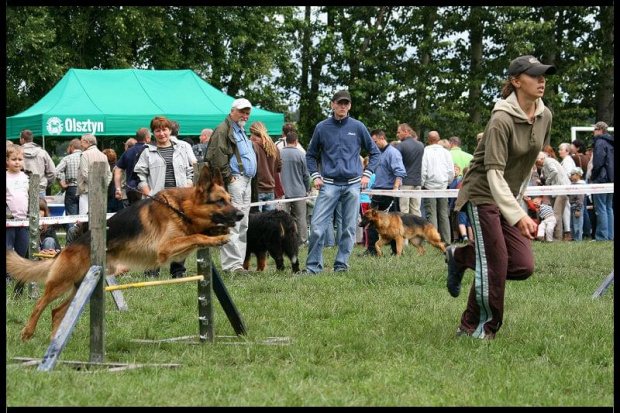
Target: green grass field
[(380, 335)]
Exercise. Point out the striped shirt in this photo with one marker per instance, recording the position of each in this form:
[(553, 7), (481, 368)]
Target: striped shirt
[(67, 169), (167, 153), (545, 211)]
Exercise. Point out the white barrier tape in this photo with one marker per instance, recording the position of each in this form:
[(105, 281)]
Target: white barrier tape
[(65, 219), (570, 189), (530, 191), (427, 193), (283, 200)]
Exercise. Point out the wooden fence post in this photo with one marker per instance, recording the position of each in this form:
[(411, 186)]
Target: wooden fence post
[(33, 228), (97, 208)]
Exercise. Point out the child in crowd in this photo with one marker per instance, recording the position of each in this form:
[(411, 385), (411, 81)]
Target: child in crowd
[(454, 215), (546, 218), (114, 205), (465, 230), (48, 240), (365, 202), (577, 208), (16, 200)]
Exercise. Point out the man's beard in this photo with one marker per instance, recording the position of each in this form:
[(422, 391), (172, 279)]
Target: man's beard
[(241, 123)]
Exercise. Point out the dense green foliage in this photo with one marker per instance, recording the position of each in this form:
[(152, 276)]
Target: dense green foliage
[(433, 67), (380, 335)]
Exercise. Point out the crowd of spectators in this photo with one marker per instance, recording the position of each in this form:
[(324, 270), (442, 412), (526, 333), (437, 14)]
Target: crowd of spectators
[(281, 171)]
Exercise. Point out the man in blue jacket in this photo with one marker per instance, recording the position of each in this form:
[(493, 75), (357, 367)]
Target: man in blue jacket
[(389, 176), (603, 173), (337, 142)]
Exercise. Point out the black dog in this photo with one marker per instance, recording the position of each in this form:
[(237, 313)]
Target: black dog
[(274, 232)]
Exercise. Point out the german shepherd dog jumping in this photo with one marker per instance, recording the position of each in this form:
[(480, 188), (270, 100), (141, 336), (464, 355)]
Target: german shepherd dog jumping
[(274, 232), (399, 226), (147, 234)]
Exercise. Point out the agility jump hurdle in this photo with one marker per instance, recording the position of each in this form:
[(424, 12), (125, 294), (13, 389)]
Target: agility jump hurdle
[(92, 289)]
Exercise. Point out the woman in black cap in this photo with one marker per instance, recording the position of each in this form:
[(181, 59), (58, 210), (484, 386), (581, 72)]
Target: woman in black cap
[(501, 249)]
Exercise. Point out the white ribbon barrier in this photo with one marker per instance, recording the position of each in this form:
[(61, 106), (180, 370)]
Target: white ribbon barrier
[(570, 189), (551, 190), (283, 200), (65, 219), (530, 191)]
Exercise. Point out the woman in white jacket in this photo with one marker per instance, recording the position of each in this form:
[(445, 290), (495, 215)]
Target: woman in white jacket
[(163, 165)]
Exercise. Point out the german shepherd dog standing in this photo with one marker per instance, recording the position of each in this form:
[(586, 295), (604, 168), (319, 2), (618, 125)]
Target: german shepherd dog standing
[(399, 226), (147, 234), (274, 232)]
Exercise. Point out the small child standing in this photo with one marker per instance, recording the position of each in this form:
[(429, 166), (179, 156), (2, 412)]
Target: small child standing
[(576, 206), (48, 240), (365, 203), (465, 230), (547, 220), (17, 182), (456, 183)]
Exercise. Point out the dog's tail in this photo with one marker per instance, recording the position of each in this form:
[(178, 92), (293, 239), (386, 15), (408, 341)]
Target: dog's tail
[(27, 270)]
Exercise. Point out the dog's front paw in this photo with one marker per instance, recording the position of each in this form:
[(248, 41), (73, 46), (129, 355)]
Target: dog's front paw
[(221, 240), (26, 334)]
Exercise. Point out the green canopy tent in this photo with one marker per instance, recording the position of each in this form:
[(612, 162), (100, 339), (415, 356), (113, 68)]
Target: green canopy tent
[(118, 102)]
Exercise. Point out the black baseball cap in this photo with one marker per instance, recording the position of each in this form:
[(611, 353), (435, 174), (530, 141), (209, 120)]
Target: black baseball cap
[(530, 65), (341, 95)]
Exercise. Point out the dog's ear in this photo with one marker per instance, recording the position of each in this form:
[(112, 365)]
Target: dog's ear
[(204, 180), (216, 177), (209, 177)]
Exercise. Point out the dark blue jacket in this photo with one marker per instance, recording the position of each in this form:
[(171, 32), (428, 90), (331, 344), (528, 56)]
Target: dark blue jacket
[(128, 161), (336, 145), (603, 159)]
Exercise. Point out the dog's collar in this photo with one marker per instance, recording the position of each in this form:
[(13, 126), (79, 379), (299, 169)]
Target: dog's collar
[(165, 203)]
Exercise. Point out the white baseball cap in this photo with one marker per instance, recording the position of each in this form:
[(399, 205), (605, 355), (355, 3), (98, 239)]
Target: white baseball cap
[(241, 104)]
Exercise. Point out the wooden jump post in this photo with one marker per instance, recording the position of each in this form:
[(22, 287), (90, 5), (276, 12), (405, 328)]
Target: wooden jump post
[(604, 285), (76, 308)]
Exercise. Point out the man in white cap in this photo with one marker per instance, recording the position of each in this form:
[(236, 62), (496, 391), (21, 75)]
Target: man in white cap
[(232, 152)]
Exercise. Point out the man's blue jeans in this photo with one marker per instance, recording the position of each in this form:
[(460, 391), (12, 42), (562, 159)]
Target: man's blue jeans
[(72, 203), (266, 196), (329, 197), (604, 209), (334, 228)]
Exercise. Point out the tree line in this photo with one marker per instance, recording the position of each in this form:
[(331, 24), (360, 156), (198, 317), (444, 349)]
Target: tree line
[(436, 68)]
